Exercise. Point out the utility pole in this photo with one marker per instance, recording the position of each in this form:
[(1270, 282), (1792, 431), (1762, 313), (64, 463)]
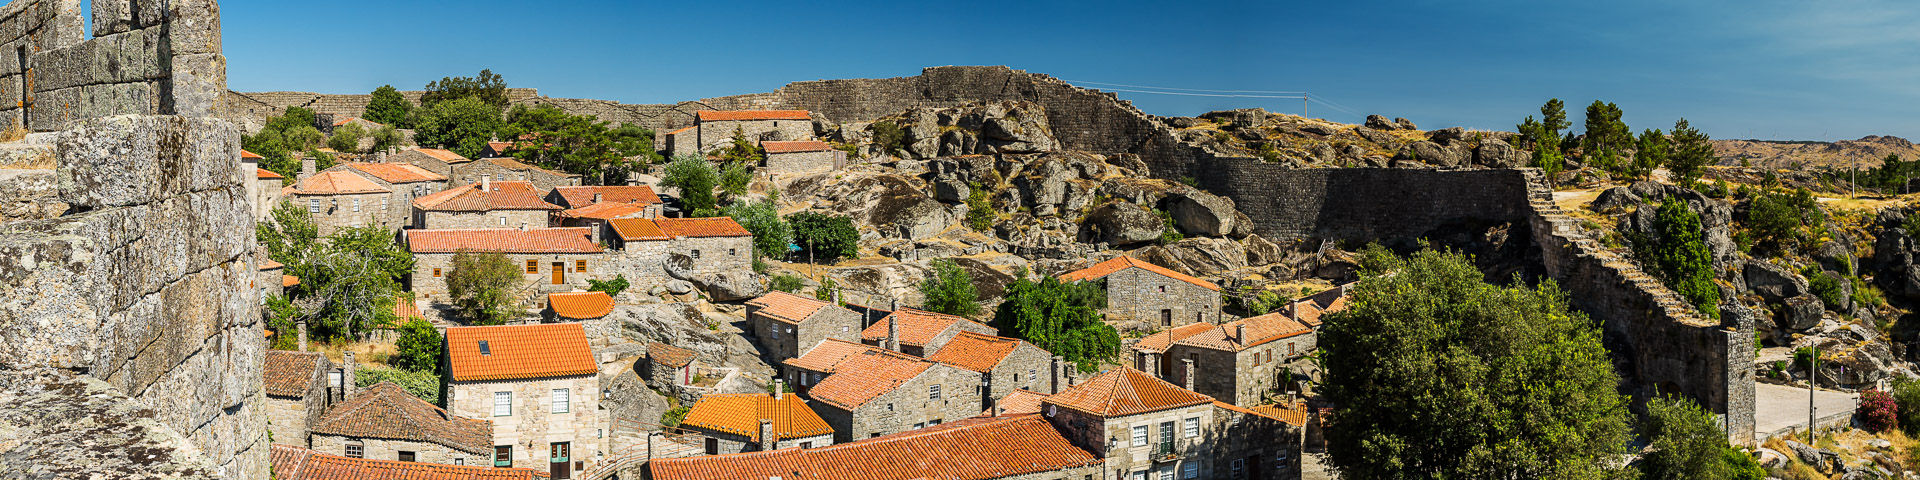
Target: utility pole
[(1813, 372)]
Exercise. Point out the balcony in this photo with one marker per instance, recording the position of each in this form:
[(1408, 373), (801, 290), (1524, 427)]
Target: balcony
[(1164, 453)]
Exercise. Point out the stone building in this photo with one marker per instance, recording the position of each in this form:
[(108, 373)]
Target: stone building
[(437, 160), (712, 128), (755, 422), (578, 306), (406, 181), (915, 332), (669, 366), (539, 384), (266, 188), (339, 200), (1240, 362), (1308, 310), (786, 323), (873, 393), (598, 215), (384, 422), (269, 282), (1142, 426), (1008, 364), (497, 149), (296, 392), (1020, 447), (1150, 295), (484, 204), (801, 157), (714, 244), (550, 259), (819, 361), (509, 169), (296, 463), (581, 196)]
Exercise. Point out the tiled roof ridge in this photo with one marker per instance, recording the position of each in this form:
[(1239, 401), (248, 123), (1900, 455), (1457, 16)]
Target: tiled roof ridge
[(390, 398), (809, 306), (1116, 264), (308, 464)]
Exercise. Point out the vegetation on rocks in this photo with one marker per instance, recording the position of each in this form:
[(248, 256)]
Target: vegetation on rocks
[(1779, 220), (1680, 257), (611, 287), (950, 290), (786, 282), (1684, 441), (980, 214), (482, 286), (1059, 317), (824, 238)]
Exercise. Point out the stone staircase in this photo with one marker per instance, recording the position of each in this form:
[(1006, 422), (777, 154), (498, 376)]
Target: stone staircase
[(1568, 232)]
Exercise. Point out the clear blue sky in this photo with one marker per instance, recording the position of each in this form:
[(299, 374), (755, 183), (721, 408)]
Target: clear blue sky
[(1788, 69)]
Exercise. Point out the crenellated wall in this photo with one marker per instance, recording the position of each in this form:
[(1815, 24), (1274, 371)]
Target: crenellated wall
[(145, 57)]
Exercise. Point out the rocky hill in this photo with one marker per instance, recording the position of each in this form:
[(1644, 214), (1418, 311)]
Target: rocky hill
[(1866, 152)]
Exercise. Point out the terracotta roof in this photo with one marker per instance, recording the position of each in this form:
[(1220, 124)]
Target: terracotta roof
[(405, 309), (917, 327), (1295, 414), (1159, 341), (974, 351), (1259, 331), (680, 131), (636, 229), (1102, 269), (787, 307), (505, 240), (580, 304), (295, 463), (289, 281), (246, 154), (387, 411), (1125, 391), (1308, 312), (443, 155), (669, 355), (289, 373), (270, 265), (397, 172), (351, 119), (337, 183), (774, 146), (520, 351), (701, 227), (517, 165), (1020, 402), (722, 115), (967, 449), (606, 211), (500, 146), (506, 195), (866, 375), (740, 414), (583, 196), (827, 355), (265, 174)]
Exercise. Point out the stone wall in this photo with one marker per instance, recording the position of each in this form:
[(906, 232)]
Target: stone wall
[(389, 449), (142, 60), (1157, 301), (1021, 369), (335, 212), (434, 287), (791, 341), (533, 425), (543, 181), (440, 220), (714, 254), (907, 405), (716, 134), (1363, 204), (804, 162)]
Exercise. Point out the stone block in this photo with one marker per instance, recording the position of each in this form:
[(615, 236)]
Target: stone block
[(111, 99), (140, 56), (63, 26), (55, 69), (94, 429), (112, 16), (127, 160), (196, 85), (53, 110), (195, 28), (10, 61)]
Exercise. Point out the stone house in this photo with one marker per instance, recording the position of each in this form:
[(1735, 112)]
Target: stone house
[(406, 181), (1144, 427), (339, 200), (497, 149), (1007, 364), (801, 157), (681, 141), (1262, 442), (1151, 295), (551, 259), (669, 366), (1018, 402), (437, 160), (265, 191), (712, 128), (509, 169), (713, 244), (874, 393), (1308, 310), (384, 422), (1240, 362), (486, 204), (916, 332), (578, 306), (296, 463), (269, 281), (819, 361), (755, 422), (296, 384), (786, 323), (598, 215), (539, 385), (1022, 447), (581, 196)]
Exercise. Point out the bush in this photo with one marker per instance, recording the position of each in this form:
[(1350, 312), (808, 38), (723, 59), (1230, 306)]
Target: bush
[(482, 286), (1803, 357), (826, 290), (1906, 400), (1059, 317), (1878, 411), (1827, 287), (950, 290), (419, 347), (786, 282), (888, 138), (979, 209), (825, 237), (346, 138), (771, 234), (425, 385), (672, 418), (1168, 233), (612, 287), (1680, 256), (695, 177)]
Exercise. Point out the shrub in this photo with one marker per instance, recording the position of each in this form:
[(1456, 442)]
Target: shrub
[(1906, 400), (1878, 412), (786, 282), (826, 290), (418, 347), (950, 290), (1168, 233), (889, 138), (979, 209), (1824, 286), (1803, 357), (612, 287), (672, 418), (425, 385), (825, 237)]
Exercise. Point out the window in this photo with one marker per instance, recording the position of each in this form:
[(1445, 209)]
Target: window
[(933, 392), (733, 251), (1290, 350), (1166, 437), (484, 350), (436, 273), (806, 445), (1163, 289), (1191, 427), (459, 461), (502, 404), (1140, 436), (356, 450), (313, 206), (776, 332), (889, 407), (561, 400), (696, 254), (1166, 317), (933, 422), (533, 266), (406, 456), (1140, 475), (1166, 473), (503, 456), (580, 266), (875, 434), (1190, 471), (1239, 467), (918, 426), (384, 204), (1016, 378), (713, 446)]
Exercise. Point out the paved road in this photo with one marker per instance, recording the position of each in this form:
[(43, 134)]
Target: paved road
[(1778, 408)]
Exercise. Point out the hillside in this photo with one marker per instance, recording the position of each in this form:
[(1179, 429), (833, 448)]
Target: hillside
[(1865, 152)]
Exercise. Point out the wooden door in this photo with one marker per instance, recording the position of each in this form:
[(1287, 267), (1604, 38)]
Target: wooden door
[(559, 273), (558, 463)]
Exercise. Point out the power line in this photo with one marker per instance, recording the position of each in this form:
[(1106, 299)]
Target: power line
[(1182, 89)]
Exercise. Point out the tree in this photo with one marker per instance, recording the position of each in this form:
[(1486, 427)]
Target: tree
[(695, 177), (1606, 134), (278, 142), (771, 234), (1059, 317), (1433, 373), (1680, 256), (482, 286), (487, 87), (346, 138), (980, 214), (888, 138), (1691, 152), (950, 290), (1554, 117), (388, 107), (418, 348), (1906, 398), (303, 137), (612, 287), (1547, 157), (734, 178), (825, 237), (1684, 442), (348, 281), (827, 289), (1651, 153), (1775, 218), (386, 138), (463, 125), (741, 150)]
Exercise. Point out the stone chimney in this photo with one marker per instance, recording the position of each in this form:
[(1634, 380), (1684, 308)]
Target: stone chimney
[(1186, 380), (347, 370), (767, 441), (302, 325), (306, 167), (779, 389), (1057, 360), (596, 197), (836, 297), (893, 331), (486, 183), (1240, 333)]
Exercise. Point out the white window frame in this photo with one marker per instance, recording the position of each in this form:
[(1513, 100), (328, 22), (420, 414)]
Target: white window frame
[(1190, 427), (356, 205), (503, 404), (1141, 437), (1190, 470), (933, 392), (313, 205), (562, 400)]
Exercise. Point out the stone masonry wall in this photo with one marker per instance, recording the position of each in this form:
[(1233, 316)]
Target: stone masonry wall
[(145, 58), (907, 405), (389, 449), (532, 425), (1289, 204), (1021, 369), (717, 254), (1135, 295), (488, 219), (335, 212), (434, 288)]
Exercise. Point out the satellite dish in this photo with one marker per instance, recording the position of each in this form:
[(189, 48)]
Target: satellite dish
[(1052, 409)]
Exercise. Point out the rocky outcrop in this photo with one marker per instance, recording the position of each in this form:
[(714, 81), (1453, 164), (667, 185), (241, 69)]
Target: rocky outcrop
[(1122, 223), (1200, 257), (1773, 282), (1200, 213), (730, 286), (96, 432), (1006, 127)]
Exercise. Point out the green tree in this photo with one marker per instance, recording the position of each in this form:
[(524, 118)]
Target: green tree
[(487, 87), (950, 290), (388, 107), (1651, 153), (1776, 218), (771, 234), (386, 138), (482, 286), (1059, 317), (1680, 255), (1547, 158), (1684, 442), (463, 125), (418, 348), (303, 137), (825, 237), (276, 146), (612, 287), (1606, 135), (1691, 152), (980, 214), (1433, 373), (348, 281), (786, 282), (888, 138), (741, 150), (695, 177), (346, 138), (827, 288), (1554, 116), (734, 178), (1906, 396)]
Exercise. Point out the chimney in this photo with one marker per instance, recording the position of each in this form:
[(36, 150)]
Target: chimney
[(347, 374), (302, 325), (1240, 333), (306, 167), (486, 183), (767, 442), (1187, 379), (1057, 360), (596, 197), (836, 297), (893, 331), (779, 389)]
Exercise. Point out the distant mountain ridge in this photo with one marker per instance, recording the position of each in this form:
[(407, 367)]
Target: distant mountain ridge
[(1866, 152)]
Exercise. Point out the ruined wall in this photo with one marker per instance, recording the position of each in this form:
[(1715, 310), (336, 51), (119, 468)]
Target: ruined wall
[(1290, 204), (145, 58)]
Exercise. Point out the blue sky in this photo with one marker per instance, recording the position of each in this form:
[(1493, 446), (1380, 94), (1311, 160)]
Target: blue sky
[(1787, 69)]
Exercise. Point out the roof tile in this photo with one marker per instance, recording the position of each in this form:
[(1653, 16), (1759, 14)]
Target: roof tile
[(827, 355), (520, 351), (289, 373), (505, 240), (1295, 414), (398, 172), (580, 305), (701, 227), (740, 414), (265, 174), (866, 375), (1020, 402), (337, 183), (973, 448), (606, 211), (1259, 331), (669, 355), (724, 115), (1125, 391), (443, 155), (506, 195), (787, 307), (295, 463), (515, 164), (976, 352), (1102, 269), (387, 411), (637, 229), (580, 196), (917, 327), (775, 146)]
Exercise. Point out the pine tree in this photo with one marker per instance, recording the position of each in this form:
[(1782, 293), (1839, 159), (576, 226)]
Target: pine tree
[(1692, 151)]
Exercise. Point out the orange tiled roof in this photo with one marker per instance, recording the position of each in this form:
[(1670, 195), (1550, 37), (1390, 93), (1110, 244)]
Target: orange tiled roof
[(405, 309), (443, 155), (289, 373), (917, 327), (506, 195), (1159, 341), (295, 463), (774, 146), (244, 154), (289, 281), (787, 307), (968, 449), (500, 146), (265, 174), (347, 120), (606, 211), (701, 227), (866, 375), (1125, 391), (520, 351), (636, 229), (826, 356), (680, 131), (583, 196), (397, 172), (270, 265), (1295, 414), (1102, 269), (337, 183), (1259, 331), (669, 355), (740, 414), (504, 240), (387, 411), (1309, 311), (974, 351), (723, 115), (580, 304), (1020, 402), (515, 164)]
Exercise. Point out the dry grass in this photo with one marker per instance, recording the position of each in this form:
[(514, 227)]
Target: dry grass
[(14, 132), (363, 352)]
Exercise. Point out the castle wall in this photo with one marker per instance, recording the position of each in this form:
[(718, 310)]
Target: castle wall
[(142, 60)]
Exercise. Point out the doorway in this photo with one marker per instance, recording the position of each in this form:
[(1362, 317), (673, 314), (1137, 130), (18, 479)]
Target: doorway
[(558, 461), (559, 272)]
